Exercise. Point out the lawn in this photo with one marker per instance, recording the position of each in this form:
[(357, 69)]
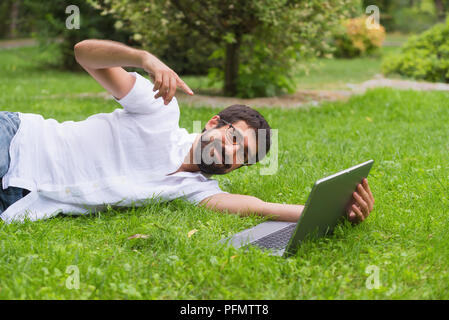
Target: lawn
[(404, 241)]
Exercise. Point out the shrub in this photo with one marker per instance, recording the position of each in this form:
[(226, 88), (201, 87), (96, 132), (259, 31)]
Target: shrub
[(423, 57), (53, 35), (354, 38), (188, 54)]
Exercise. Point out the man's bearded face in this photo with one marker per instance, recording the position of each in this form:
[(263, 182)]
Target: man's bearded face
[(210, 153), (221, 149)]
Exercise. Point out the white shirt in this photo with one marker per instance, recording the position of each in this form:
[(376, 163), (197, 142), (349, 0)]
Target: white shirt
[(121, 158)]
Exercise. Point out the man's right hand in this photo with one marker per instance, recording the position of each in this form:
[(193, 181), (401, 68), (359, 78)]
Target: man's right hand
[(165, 79)]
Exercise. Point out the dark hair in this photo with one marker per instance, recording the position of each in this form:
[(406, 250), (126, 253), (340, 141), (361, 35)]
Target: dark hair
[(254, 120)]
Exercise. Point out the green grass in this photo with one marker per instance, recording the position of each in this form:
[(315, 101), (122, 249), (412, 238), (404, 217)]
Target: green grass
[(397, 38), (406, 238), (335, 74)]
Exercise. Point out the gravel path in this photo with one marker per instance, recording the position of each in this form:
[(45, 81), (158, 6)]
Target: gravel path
[(380, 81), (300, 99), (312, 97), (16, 43)]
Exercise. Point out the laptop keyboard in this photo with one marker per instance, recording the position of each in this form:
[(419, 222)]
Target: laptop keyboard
[(276, 240)]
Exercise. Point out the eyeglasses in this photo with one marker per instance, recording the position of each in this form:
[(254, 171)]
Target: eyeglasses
[(234, 137)]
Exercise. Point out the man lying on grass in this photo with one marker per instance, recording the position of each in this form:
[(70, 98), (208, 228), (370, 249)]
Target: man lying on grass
[(130, 155)]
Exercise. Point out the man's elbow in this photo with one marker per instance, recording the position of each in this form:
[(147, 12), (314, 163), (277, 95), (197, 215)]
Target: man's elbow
[(79, 45), (79, 50)]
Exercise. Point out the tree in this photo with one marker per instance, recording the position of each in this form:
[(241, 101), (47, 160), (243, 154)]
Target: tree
[(441, 6), (15, 19), (263, 38)]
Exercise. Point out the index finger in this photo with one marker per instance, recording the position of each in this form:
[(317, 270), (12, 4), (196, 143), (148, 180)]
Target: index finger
[(184, 86)]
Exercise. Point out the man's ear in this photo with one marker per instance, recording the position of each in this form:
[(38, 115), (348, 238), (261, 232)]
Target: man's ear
[(213, 122)]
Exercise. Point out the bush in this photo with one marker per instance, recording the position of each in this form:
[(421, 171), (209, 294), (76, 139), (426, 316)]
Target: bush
[(188, 54), (53, 35), (423, 57), (355, 39), (185, 50)]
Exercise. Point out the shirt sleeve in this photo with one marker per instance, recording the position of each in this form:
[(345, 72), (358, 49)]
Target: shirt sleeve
[(140, 99)]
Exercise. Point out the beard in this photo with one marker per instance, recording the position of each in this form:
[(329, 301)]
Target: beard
[(217, 166)]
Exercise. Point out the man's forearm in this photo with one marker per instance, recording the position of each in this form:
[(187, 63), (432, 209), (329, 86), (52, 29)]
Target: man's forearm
[(244, 205), (283, 212), (99, 54)]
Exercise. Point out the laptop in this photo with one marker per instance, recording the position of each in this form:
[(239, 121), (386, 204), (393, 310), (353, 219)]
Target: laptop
[(324, 209)]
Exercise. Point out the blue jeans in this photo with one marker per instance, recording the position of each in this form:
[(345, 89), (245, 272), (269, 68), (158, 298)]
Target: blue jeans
[(9, 123)]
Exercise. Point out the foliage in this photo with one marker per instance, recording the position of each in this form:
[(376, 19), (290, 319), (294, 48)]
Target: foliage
[(51, 31), (24, 21), (409, 15), (252, 45), (424, 57), (152, 26), (414, 20), (270, 55), (354, 38), (187, 52)]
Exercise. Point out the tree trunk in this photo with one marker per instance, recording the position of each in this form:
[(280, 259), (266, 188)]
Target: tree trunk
[(231, 68), (14, 17), (441, 10)]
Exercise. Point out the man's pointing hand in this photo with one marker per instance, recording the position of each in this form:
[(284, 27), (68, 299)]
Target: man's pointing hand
[(165, 79)]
